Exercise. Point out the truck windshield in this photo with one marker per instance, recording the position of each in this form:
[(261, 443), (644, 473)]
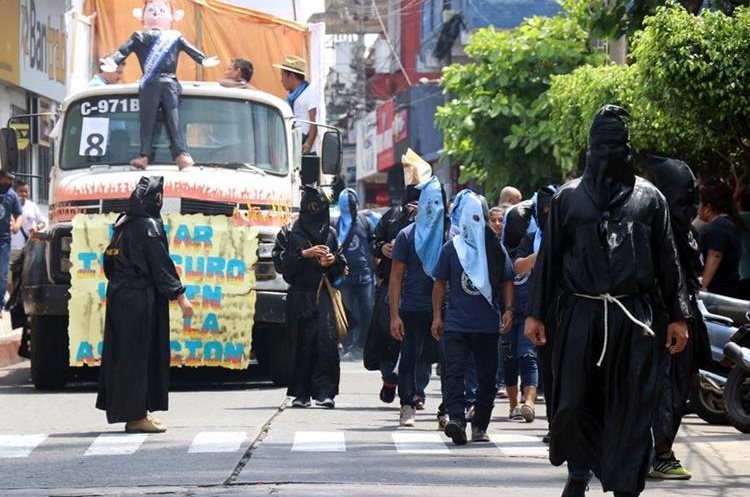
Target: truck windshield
[(219, 132)]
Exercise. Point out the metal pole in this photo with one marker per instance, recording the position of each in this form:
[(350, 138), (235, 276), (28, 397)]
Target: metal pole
[(294, 9)]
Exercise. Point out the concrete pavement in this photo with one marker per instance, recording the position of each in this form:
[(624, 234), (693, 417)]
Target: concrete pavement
[(355, 450)]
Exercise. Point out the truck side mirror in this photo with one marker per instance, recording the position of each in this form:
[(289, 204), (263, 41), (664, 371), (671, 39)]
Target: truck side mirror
[(332, 153), (9, 149)]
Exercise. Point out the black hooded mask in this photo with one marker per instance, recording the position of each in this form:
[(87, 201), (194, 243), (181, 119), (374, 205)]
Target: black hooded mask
[(410, 200), (610, 173), (543, 202), (314, 215), (147, 198), (493, 248), (677, 183)]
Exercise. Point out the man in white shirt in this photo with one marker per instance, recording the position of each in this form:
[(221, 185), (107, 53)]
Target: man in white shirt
[(33, 221), (301, 98)]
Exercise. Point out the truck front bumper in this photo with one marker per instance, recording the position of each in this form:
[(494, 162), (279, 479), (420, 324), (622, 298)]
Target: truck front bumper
[(46, 300), (270, 307)]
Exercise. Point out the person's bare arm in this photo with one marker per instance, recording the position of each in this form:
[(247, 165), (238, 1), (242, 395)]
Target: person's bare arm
[(438, 299), (312, 134), (523, 265), (713, 259), (398, 269)]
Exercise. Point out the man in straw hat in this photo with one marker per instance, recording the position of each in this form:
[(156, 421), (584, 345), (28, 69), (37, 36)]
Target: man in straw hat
[(301, 98)]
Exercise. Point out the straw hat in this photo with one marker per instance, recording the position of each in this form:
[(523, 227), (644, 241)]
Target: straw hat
[(294, 64)]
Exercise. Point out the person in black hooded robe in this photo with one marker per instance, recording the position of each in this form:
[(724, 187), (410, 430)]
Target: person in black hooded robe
[(134, 375), (304, 254), (676, 182), (607, 271), (381, 349)]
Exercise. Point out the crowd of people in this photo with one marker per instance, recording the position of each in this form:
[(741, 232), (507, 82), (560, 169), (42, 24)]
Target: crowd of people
[(587, 290)]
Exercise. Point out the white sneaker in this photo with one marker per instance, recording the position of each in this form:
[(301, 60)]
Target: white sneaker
[(407, 416)]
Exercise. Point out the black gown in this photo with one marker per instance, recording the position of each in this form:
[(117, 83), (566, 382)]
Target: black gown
[(310, 317), (607, 233), (380, 345), (676, 181), (134, 375)]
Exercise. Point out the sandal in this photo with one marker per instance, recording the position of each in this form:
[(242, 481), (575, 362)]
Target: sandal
[(527, 413), (515, 415)]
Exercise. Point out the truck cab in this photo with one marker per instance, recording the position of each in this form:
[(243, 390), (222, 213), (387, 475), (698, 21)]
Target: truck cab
[(242, 189)]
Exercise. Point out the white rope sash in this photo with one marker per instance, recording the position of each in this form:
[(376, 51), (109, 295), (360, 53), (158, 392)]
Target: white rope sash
[(610, 299)]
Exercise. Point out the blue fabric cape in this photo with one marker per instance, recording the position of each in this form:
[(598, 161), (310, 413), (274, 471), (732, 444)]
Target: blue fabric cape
[(430, 224), (346, 221), (470, 245), (455, 215)]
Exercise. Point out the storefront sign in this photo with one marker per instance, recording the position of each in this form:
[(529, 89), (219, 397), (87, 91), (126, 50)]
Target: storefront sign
[(42, 41), (386, 156), (215, 260), (366, 146), (9, 59)]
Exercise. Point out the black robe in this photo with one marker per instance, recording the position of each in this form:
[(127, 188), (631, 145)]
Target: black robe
[(134, 375), (676, 181), (604, 414), (380, 345), (309, 312)]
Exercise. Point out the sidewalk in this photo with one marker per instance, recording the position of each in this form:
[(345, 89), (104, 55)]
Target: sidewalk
[(9, 342)]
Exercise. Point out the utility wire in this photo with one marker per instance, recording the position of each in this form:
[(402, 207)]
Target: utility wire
[(390, 45)]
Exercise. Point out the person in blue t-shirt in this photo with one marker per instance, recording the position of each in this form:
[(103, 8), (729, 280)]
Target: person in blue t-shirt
[(354, 232), (11, 221), (415, 254), (477, 275)]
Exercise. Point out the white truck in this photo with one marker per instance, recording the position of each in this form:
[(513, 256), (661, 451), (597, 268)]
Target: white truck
[(244, 187)]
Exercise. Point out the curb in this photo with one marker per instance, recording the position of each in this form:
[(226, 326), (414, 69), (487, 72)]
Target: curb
[(9, 349)]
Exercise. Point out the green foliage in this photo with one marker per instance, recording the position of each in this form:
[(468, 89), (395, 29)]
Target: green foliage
[(496, 122), (688, 92)]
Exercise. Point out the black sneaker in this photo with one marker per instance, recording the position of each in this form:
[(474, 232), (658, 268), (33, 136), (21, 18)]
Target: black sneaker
[(576, 488), (328, 403), (301, 402), (456, 432), (388, 393), (545, 438)]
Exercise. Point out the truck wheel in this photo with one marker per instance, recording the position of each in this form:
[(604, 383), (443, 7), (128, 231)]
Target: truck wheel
[(707, 404), (49, 351), (737, 398), (282, 348)]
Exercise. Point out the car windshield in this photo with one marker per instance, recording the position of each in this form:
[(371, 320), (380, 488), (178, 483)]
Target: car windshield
[(219, 132)]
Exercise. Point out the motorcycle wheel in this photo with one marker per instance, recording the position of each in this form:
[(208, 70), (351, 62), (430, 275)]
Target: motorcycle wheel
[(737, 398), (707, 404)]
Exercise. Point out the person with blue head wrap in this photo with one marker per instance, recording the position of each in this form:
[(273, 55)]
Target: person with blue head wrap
[(430, 229), (473, 270), (415, 253), (455, 212), (354, 233)]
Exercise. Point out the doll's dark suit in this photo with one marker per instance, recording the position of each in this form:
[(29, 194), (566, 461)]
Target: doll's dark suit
[(158, 52)]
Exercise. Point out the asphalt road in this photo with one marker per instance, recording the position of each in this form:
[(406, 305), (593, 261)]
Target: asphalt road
[(243, 441)]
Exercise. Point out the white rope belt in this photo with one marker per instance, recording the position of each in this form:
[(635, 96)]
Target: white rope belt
[(609, 299)]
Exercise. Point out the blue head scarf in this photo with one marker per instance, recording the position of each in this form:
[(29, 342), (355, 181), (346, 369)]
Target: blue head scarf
[(348, 203), (455, 215), (430, 224), (471, 247)]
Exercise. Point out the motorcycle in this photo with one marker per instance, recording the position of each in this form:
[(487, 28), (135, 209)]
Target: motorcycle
[(737, 389), (707, 391)]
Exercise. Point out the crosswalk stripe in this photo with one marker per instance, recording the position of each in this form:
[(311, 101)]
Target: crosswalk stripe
[(520, 445), (217, 441), (319, 441), (116, 445), (419, 443), (15, 446)]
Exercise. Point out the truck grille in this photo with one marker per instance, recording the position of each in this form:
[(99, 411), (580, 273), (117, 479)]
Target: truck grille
[(193, 206), (116, 206)]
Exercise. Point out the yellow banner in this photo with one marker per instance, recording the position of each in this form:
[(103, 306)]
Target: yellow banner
[(215, 259), (9, 34)]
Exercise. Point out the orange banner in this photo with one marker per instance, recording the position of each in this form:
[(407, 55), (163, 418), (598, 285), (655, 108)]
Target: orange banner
[(217, 29)]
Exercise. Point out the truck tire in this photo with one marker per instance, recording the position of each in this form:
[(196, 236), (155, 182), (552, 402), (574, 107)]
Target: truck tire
[(737, 398), (281, 348), (49, 352), (707, 404)]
